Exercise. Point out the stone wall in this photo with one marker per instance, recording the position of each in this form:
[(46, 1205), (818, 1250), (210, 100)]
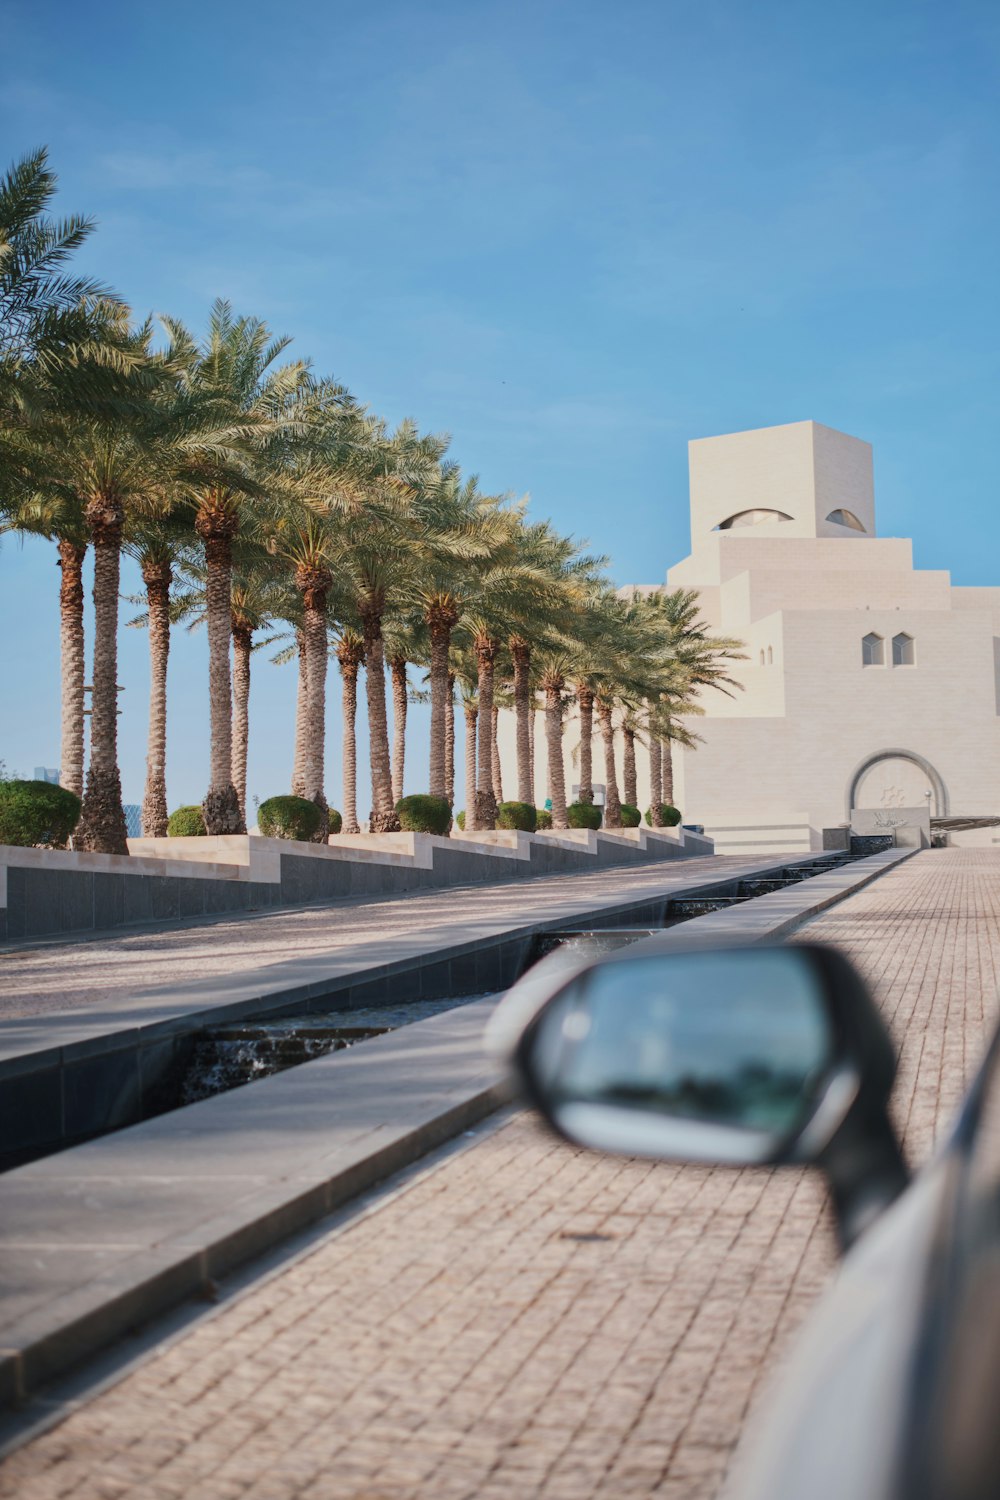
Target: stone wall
[(47, 892)]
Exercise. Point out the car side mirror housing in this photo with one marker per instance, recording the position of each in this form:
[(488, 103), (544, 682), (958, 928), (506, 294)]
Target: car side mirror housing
[(742, 1055)]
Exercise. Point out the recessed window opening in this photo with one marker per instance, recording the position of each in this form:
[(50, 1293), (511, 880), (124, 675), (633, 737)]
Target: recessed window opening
[(902, 650), (762, 656), (873, 651), (770, 657), (751, 518), (845, 518)]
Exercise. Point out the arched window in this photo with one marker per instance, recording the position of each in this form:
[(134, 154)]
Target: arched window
[(762, 656), (902, 650), (751, 518), (845, 518), (770, 657), (873, 651)]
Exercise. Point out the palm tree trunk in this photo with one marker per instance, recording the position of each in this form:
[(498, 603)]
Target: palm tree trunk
[(157, 575), (486, 805), (668, 773), (313, 583), (102, 820), (655, 778), (384, 819), (301, 718), (628, 770), (554, 747), (449, 741), (531, 752), (71, 558), (242, 646), (441, 621), (612, 802), (521, 654), (471, 726), (216, 524), (350, 660), (497, 769), (586, 701), (397, 669)]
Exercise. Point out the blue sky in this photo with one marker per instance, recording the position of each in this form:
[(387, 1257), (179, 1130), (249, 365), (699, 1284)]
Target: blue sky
[(569, 234)]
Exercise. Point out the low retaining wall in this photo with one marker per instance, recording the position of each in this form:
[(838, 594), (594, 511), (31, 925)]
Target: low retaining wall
[(48, 892)]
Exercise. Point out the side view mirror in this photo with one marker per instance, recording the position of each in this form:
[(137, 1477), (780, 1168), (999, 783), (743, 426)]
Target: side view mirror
[(753, 1055)]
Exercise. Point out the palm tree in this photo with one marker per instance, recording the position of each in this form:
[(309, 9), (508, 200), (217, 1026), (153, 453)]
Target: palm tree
[(61, 353), (701, 661), (629, 778), (108, 465), (449, 741), (379, 562), (260, 596), (350, 653), (455, 524), (631, 657), (57, 330), (298, 787), (554, 667), (231, 373), (572, 579), (158, 546), (59, 518), (71, 652), (404, 643), (304, 538)]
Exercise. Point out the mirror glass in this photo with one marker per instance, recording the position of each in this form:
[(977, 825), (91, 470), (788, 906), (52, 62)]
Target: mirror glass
[(717, 1056)]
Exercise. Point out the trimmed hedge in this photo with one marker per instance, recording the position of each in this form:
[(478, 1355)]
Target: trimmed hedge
[(336, 821), (34, 813), (460, 820), (186, 822), (519, 815), (424, 814), (670, 816), (543, 819), (289, 818), (584, 815), (631, 816)]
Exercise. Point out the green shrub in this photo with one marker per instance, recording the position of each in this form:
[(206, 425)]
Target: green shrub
[(519, 815), (336, 821), (36, 812), (543, 819), (631, 816), (186, 823), (669, 816), (288, 818), (584, 815), (460, 820), (424, 814)]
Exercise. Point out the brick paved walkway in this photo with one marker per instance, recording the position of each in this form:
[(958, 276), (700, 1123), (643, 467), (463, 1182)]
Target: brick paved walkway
[(529, 1320)]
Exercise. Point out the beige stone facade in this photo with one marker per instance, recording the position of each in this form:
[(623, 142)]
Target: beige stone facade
[(867, 682)]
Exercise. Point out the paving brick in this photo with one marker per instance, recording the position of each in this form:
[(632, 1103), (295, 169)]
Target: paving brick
[(460, 1343)]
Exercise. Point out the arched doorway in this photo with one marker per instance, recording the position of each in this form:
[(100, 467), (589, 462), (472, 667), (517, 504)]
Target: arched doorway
[(897, 778)]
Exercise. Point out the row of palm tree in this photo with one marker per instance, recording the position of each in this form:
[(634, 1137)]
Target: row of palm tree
[(268, 503)]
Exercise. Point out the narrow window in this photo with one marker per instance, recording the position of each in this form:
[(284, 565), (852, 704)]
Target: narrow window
[(873, 651), (751, 518), (770, 657), (762, 656), (902, 650)]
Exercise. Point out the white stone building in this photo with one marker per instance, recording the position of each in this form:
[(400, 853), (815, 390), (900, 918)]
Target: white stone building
[(868, 684)]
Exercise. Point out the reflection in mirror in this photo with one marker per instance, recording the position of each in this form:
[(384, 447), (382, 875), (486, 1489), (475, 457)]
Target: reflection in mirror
[(705, 1056)]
